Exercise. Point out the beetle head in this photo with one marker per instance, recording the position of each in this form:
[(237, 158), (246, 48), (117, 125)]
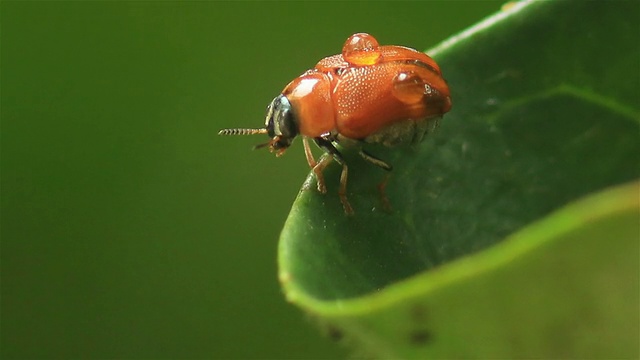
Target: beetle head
[(280, 124)]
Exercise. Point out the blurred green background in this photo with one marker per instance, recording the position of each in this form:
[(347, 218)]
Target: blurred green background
[(129, 229)]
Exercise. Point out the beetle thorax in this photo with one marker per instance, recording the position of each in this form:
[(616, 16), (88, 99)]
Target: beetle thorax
[(310, 97)]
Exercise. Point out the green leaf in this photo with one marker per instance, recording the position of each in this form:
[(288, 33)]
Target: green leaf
[(476, 260)]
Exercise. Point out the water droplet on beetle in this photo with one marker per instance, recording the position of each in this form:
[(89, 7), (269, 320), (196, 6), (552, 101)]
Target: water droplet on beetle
[(361, 49), (408, 87)]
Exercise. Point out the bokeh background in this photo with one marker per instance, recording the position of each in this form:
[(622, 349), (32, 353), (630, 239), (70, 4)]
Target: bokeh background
[(129, 229)]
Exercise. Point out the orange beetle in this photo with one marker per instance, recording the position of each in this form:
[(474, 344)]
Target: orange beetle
[(367, 94)]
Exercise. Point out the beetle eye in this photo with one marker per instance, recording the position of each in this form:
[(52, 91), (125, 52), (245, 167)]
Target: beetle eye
[(268, 122), (280, 120)]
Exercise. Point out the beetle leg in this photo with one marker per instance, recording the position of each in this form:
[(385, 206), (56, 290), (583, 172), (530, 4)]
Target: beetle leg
[(307, 152), (375, 161), (317, 170), (328, 147), (383, 184)]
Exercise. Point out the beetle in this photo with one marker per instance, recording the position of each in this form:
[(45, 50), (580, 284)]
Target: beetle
[(369, 93)]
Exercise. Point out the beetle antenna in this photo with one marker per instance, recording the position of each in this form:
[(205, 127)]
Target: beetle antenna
[(260, 146), (242, 131)]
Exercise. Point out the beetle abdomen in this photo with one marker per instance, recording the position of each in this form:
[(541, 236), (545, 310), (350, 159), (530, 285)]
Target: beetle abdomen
[(369, 99), (408, 131)]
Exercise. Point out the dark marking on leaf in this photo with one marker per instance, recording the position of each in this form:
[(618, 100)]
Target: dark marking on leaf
[(420, 337), (334, 333), (418, 313)]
